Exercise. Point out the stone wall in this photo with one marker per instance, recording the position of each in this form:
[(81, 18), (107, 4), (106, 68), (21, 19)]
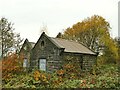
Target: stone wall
[(25, 52), (88, 62), (49, 52), (84, 61), (73, 58)]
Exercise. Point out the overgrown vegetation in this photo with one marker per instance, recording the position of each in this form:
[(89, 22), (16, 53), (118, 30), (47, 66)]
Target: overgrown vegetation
[(102, 76), (11, 65)]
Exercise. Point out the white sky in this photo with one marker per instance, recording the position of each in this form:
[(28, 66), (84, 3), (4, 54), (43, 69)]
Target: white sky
[(29, 16)]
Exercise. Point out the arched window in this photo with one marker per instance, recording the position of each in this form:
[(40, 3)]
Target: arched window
[(42, 44)]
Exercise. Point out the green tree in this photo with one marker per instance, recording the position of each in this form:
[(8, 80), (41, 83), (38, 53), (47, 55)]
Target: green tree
[(9, 39), (94, 33), (17, 43), (117, 40)]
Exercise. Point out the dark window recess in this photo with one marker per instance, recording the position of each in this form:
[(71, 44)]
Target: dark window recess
[(42, 44)]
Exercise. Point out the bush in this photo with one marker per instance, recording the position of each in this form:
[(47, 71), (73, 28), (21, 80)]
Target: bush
[(106, 77), (11, 65), (41, 79), (70, 84)]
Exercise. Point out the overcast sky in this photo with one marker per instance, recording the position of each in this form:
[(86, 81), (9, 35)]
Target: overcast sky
[(29, 16)]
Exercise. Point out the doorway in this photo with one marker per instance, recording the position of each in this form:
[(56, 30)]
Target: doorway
[(42, 64)]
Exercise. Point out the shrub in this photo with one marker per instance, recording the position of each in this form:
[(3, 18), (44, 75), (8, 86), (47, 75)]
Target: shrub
[(41, 79), (70, 84), (106, 77), (11, 65)]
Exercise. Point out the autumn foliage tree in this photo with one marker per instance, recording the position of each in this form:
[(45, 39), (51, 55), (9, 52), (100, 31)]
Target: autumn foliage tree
[(94, 33), (11, 65)]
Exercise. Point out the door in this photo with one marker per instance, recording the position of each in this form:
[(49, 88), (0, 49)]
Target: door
[(42, 64)]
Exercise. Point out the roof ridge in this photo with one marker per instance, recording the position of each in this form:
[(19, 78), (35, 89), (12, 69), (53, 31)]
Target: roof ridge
[(65, 39), (71, 41)]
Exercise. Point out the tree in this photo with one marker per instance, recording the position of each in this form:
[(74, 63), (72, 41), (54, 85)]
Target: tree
[(6, 35), (8, 38), (117, 40), (89, 31), (17, 43), (94, 33), (11, 65)]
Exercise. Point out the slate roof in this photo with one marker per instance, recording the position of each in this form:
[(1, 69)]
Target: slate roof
[(31, 44), (71, 46)]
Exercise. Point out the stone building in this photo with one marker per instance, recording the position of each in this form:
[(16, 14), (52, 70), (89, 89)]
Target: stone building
[(49, 54), (25, 52)]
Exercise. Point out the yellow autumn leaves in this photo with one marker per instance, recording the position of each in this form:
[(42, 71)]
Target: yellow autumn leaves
[(36, 75), (41, 76), (94, 32)]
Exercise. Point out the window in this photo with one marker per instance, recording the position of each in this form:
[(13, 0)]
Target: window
[(42, 64), (25, 63), (42, 44)]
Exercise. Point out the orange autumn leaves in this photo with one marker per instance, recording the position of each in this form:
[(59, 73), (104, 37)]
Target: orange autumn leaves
[(10, 65), (57, 78), (69, 71), (60, 72)]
